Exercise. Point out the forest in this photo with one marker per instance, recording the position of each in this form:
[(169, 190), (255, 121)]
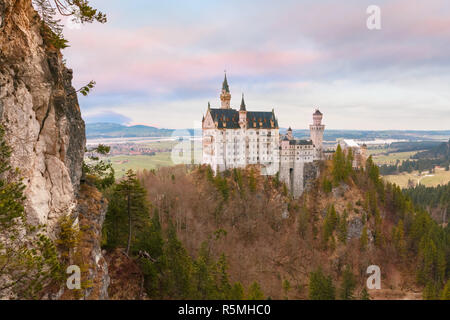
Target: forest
[(240, 235)]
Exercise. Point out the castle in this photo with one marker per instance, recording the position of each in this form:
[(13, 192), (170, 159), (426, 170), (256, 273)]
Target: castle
[(236, 138)]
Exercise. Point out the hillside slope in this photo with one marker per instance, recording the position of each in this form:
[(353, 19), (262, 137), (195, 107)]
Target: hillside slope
[(277, 241)]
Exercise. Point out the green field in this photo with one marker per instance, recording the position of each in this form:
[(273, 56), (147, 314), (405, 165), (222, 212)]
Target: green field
[(159, 144), (379, 156), (441, 177), (123, 163)]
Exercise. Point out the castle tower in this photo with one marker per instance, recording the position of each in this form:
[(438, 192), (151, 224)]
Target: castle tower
[(289, 134), (225, 96), (316, 132), (243, 114)]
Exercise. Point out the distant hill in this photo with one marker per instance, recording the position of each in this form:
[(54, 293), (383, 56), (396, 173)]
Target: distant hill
[(441, 151), (411, 135), (114, 130)]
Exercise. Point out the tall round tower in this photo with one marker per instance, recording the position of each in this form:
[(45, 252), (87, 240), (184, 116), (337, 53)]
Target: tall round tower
[(316, 131), (225, 96)]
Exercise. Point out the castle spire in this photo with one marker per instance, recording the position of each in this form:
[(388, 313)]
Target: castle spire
[(225, 96), (225, 86), (242, 104)]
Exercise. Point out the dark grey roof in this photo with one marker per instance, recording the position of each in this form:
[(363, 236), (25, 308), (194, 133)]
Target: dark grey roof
[(317, 113), (300, 142), (228, 116), (261, 120), (255, 119)]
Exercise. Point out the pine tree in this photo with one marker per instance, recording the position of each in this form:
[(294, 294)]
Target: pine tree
[(364, 240), (151, 249), (79, 10), (339, 170), (128, 208), (445, 294), (51, 27), (237, 292), (372, 171), (348, 285), (286, 287), (364, 294), (399, 239), (100, 172), (224, 288), (177, 280), (430, 291), (254, 292), (320, 286), (342, 227)]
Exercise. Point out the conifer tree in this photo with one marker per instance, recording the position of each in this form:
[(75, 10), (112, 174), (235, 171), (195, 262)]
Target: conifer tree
[(98, 170), (151, 249), (339, 170), (320, 286), (348, 285), (399, 239), (178, 267), (237, 292), (364, 294), (364, 240), (254, 292), (342, 227), (80, 11), (127, 214), (445, 294)]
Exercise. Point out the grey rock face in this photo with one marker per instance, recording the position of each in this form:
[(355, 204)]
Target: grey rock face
[(340, 190), (40, 113), (354, 228), (41, 116), (310, 174)]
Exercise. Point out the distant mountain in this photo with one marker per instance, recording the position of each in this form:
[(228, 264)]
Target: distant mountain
[(114, 130), (411, 135)]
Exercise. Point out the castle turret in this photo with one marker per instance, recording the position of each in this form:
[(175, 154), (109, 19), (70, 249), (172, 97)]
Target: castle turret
[(289, 134), (243, 114), (225, 96), (316, 132)]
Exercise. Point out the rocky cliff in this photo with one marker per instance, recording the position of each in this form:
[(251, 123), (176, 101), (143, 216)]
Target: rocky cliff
[(40, 113)]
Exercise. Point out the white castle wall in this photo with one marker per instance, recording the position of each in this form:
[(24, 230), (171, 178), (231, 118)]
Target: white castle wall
[(236, 148)]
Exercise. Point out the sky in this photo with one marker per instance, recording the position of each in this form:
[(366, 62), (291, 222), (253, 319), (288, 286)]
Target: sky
[(158, 63)]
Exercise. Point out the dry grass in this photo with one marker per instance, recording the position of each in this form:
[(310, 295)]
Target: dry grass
[(440, 177)]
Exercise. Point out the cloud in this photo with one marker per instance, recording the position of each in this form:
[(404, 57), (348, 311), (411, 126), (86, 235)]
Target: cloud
[(106, 116), (154, 58)]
